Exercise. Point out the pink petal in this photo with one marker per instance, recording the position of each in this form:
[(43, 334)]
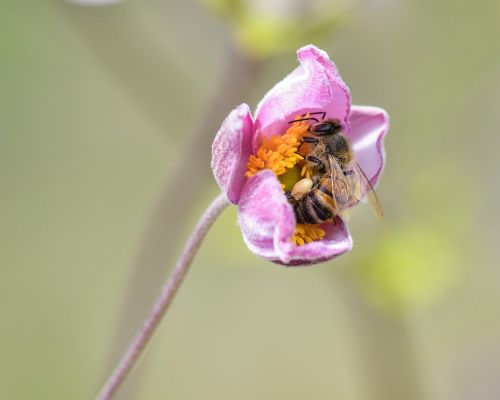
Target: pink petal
[(268, 223), (230, 151), (337, 241), (368, 128), (313, 86)]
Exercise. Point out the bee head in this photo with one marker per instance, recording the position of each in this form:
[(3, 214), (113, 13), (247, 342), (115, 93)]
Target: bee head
[(326, 127)]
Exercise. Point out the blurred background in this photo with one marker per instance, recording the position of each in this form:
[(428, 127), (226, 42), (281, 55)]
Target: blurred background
[(107, 114)]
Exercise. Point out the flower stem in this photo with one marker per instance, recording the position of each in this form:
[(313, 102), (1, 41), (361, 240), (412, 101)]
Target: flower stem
[(161, 304), (234, 84)]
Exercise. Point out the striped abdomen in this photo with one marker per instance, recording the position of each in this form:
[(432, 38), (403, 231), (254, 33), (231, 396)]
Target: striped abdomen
[(316, 206)]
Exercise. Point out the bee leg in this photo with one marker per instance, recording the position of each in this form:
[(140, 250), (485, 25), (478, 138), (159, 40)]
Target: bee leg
[(317, 162), (309, 139)]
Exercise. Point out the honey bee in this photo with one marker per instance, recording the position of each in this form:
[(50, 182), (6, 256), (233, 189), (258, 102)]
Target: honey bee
[(338, 182)]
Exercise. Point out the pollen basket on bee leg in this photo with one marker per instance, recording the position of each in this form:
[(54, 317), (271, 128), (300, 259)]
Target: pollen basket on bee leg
[(301, 188)]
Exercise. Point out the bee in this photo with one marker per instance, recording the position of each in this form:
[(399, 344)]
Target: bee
[(338, 182)]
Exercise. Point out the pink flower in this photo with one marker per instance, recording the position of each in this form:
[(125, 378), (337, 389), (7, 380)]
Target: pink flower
[(265, 216)]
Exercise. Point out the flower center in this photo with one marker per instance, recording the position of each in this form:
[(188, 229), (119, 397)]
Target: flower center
[(279, 154)]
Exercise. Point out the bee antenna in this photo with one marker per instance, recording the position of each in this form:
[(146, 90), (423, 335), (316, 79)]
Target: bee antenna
[(303, 119)]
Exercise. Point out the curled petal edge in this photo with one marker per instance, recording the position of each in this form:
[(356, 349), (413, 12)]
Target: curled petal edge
[(314, 86), (230, 151), (369, 125)]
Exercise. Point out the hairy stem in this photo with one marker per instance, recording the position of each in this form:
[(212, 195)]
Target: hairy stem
[(173, 205), (159, 241), (161, 304)]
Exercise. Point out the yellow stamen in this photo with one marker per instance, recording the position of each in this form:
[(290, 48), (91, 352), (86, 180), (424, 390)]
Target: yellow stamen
[(306, 233), (279, 154)]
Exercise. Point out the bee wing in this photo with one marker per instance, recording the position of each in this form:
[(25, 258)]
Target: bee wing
[(361, 189), (340, 184), (346, 214)]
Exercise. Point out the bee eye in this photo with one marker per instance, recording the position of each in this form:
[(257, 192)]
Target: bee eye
[(328, 127), (323, 128)]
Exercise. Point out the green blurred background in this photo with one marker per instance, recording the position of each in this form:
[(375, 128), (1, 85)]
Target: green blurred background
[(106, 118)]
